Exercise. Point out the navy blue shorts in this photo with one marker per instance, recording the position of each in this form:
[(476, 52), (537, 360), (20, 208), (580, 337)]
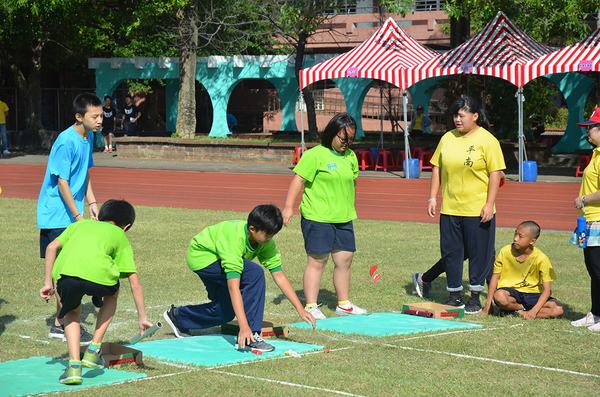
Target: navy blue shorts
[(46, 237), (527, 299), (72, 289), (321, 238)]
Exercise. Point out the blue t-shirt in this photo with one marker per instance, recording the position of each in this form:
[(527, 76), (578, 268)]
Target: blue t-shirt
[(70, 159)]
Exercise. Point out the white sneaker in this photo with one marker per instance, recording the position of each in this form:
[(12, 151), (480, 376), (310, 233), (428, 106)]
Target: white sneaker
[(589, 319), (316, 313), (595, 327), (349, 308), (6, 152)]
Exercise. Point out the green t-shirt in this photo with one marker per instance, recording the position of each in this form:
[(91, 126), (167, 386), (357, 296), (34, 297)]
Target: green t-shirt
[(228, 241), (94, 251), (329, 189), (466, 163)]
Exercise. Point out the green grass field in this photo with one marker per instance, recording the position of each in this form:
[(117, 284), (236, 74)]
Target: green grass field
[(508, 356)]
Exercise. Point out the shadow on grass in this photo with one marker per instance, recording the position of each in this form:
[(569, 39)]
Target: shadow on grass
[(326, 298), (6, 319)]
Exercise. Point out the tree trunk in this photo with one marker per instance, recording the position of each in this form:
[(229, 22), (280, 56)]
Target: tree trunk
[(188, 43), (308, 98), (152, 120), (30, 89)]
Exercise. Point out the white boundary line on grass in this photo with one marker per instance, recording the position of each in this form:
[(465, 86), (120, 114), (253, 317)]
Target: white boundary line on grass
[(456, 332), (494, 360), (288, 383)]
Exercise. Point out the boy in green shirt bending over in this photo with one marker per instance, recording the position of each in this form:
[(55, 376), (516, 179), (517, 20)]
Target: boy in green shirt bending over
[(93, 257), (221, 255)]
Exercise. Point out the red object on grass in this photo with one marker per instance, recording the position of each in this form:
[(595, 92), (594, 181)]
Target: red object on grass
[(421, 313), (375, 278), (373, 269)]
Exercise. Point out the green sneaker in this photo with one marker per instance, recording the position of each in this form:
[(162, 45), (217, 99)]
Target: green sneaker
[(72, 375), (93, 359)]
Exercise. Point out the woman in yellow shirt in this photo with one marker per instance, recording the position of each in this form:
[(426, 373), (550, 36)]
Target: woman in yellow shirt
[(588, 203), (468, 164)]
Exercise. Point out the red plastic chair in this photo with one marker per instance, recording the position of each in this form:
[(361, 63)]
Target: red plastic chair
[(424, 159), (297, 155), (365, 160), (383, 155), (583, 162)]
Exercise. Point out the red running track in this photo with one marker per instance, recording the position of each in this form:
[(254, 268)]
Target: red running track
[(549, 204)]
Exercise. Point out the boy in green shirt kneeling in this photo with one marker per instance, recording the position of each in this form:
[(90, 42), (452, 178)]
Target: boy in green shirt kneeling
[(221, 255), (93, 257)]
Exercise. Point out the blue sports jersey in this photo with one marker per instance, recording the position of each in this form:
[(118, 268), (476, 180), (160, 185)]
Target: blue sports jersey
[(70, 159)]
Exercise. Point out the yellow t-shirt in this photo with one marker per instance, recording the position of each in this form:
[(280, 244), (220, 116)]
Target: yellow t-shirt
[(466, 163), (417, 125), (526, 276), (590, 183), (3, 110)]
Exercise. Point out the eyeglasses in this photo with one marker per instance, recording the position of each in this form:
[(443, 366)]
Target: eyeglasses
[(346, 140)]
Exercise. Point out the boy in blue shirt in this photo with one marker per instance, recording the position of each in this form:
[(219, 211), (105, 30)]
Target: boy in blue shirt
[(221, 255), (67, 183), (93, 257)]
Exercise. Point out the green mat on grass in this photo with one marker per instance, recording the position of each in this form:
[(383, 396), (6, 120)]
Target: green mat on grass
[(37, 375), (214, 350), (385, 324)]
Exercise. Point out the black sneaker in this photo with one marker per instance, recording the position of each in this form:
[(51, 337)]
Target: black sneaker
[(456, 302), (56, 331), (258, 344), (169, 316), (84, 336), (473, 305), (509, 313), (97, 301), (423, 289)]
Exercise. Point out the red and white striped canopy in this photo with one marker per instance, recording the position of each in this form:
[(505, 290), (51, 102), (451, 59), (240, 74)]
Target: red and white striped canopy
[(500, 50), (583, 56), (386, 56)]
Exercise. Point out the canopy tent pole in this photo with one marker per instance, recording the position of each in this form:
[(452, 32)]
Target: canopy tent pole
[(302, 121), (381, 113), (520, 100), (406, 144)]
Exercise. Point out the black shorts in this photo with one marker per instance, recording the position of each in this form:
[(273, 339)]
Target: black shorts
[(72, 289), (46, 237), (527, 299), (129, 129), (108, 130)]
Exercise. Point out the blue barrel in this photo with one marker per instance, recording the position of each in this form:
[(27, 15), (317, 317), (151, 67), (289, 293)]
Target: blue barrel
[(529, 171), (415, 168), (374, 151)]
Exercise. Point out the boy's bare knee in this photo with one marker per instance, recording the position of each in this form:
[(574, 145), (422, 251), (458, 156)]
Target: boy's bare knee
[(501, 297)]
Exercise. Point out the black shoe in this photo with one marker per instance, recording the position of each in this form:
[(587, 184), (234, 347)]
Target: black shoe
[(56, 331), (169, 315), (84, 336), (473, 306), (423, 288), (97, 301), (509, 313), (455, 301)]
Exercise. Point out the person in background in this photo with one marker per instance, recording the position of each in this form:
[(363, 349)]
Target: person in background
[(419, 123)]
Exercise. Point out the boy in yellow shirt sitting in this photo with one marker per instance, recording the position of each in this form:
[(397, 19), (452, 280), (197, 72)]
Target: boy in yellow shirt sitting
[(521, 279)]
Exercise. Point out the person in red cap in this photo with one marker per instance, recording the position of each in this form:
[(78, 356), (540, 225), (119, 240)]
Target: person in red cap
[(419, 123), (588, 204)]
